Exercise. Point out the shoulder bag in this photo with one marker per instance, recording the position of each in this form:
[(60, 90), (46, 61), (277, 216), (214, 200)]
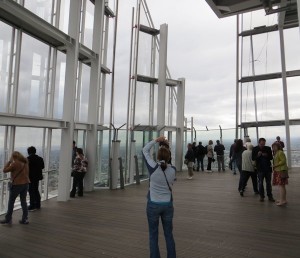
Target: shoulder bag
[(10, 184)]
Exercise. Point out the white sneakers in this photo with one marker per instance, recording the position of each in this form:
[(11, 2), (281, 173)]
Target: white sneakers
[(189, 177)]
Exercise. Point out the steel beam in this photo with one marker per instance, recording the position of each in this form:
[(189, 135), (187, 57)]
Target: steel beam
[(269, 123), (92, 135), (64, 179), (266, 29), (284, 87), (149, 30), (21, 18), (27, 121), (162, 75), (270, 76), (180, 125)]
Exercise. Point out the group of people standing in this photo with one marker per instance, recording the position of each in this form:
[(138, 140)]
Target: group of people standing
[(25, 176), (256, 162), (194, 157)]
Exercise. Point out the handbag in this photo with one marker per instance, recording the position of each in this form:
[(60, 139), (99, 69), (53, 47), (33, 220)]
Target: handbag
[(284, 174)]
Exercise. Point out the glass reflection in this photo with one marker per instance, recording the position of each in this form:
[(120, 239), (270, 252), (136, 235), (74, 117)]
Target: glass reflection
[(84, 94), (59, 85), (41, 8), (89, 24), (64, 15), (5, 47), (33, 77)]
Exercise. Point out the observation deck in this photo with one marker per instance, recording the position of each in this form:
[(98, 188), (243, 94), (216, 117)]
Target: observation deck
[(211, 220)]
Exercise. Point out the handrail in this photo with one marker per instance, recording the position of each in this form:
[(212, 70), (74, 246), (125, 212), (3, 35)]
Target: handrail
[(44, 172)]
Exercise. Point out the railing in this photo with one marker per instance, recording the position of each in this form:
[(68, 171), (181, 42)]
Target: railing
[(48, 189)]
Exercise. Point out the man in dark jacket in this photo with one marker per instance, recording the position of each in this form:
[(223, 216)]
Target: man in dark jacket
[(200, 154), (36, 166), (219, 150), (262, 155)]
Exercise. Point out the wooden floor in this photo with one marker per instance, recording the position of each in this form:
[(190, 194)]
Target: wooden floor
[(211, 220)]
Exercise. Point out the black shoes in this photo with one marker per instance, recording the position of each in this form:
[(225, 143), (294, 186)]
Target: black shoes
[(5, 222), (24, 222), (271, 199), (261, 199), (242, 193)]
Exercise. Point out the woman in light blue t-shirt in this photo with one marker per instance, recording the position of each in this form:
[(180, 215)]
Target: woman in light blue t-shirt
[(160, 201)]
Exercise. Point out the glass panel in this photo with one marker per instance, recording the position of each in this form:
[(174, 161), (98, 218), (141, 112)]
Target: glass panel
[(292, 49), (41, 8), (33, 76), (54, 163), (64, 16), (142, 103), (89, 24), (294, 96), (102, 174), (34, 137), (5, 45), (2, 151), (59, 85), (84, 93)]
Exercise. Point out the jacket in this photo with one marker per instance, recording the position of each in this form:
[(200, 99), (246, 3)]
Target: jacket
[(36, 166), (263, 163), (247, 163), (159, 191), (19, 172), (279, 161), (219, 149), (210, 151), (190, 155)]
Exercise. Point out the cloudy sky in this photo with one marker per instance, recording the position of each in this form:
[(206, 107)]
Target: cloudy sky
[(202, 49)]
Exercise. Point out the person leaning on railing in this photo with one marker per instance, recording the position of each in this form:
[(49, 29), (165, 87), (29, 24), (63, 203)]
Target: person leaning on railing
[(18, 166), (79, 170)]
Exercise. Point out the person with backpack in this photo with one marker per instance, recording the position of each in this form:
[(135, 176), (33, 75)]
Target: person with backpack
[(78, 173), (36, 166), (200, 154), (160, 199)]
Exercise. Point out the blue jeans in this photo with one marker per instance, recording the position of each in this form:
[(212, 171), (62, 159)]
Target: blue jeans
[(154, 212), (13, 194)]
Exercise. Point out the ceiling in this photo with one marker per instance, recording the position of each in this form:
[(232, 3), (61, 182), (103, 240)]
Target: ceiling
[(225, 8)]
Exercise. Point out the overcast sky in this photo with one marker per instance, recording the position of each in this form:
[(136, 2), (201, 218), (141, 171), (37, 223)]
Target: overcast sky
[(202, 49)]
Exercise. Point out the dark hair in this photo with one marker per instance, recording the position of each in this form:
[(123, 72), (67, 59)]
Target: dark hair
[(31, 150), (79, 151), (163, 155), (262, 140), (164, 144), (200, 143), (239, 145), (74, 142)]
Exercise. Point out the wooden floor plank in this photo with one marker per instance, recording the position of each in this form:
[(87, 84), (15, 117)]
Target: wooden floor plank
[(211, 220)]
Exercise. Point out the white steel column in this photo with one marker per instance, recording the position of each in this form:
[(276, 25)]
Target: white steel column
[(180, 124), (162, 76), (64, 178), (298, 5), (284, 88), (237, 101), (91, 146)]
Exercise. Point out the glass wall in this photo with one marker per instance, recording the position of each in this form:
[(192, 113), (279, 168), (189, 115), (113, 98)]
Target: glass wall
[(5, 49), (33, 77), (42, 8)]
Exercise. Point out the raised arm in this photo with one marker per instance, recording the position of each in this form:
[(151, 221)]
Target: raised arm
[(151, 164)]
